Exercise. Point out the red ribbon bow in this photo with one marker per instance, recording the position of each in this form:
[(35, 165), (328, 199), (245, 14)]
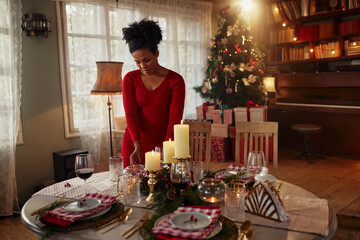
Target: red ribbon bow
[(205, 106), (248, 105)]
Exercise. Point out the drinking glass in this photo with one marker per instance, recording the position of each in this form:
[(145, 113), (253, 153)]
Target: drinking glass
[(84, 168), (115, 167), (197, 171), (131, 188), (256, 161), (235, 194)]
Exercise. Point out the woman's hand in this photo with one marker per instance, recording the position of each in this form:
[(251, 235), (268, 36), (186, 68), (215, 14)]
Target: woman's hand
[(135, 157)]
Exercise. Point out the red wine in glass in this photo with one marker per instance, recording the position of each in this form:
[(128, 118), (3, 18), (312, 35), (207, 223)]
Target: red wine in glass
[(84, 168), (84, 173)]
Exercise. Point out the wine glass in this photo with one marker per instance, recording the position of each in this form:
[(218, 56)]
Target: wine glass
[(256, 161), (180, 174), (84, 168)]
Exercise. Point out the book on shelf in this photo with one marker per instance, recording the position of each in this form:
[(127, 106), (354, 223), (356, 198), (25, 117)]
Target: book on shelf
[(307, 33)]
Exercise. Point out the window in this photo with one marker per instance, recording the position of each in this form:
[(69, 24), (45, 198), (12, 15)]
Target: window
[(10, 64), (91, 32)]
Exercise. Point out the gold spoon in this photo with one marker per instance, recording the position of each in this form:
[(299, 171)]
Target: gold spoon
[(122, 219), (113, 221), (244, 229)]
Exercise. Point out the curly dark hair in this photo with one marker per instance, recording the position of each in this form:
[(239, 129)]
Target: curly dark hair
[(143, 34)]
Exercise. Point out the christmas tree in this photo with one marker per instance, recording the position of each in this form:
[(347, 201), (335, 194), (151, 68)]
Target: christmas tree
[(235, 65)]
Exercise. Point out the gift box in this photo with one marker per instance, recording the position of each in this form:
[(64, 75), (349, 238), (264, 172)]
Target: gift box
[(220, 149), (271, 152), (206, 110), (256, 114), (227, 115), (219, 130)]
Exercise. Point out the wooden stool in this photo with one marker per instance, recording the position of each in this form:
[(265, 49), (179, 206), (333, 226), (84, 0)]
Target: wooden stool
[(305, 130)]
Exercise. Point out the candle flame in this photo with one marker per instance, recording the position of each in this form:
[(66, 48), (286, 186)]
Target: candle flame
[(182, 122), (152, 152), (169, 140), (213, 199)]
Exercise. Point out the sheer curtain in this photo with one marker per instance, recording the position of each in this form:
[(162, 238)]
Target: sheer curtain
[(10, 87), (93, 32)]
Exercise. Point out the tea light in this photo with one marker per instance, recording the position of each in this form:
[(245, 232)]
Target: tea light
[(152, 161), (181, 138), (211, 190), (168, 151)]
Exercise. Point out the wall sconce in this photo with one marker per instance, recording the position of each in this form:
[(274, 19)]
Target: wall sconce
[(35, 24)]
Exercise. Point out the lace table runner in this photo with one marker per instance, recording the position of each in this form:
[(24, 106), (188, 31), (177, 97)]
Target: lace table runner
[(73, 188)]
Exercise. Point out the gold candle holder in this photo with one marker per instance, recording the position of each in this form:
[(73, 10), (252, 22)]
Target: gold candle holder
[(151, 183)]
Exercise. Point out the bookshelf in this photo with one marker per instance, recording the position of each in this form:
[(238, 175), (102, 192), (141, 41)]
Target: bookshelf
[(316, 60), (330, 35)]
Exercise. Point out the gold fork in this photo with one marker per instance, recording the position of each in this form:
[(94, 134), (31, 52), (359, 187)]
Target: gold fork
[(136, 226)]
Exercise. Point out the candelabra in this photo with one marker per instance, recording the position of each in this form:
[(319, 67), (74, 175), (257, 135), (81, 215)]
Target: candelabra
[(151, 183)]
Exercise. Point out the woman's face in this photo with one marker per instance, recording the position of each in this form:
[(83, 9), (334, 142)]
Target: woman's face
[(146, 61)]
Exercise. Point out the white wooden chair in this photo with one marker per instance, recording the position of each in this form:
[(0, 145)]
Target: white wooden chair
[(257, 132)]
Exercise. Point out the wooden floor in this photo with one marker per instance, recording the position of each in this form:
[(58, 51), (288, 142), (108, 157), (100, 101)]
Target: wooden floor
[(335, 179)]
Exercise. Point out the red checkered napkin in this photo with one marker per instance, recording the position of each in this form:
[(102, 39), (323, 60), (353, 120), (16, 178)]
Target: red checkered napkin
[(63, 218), (166, 228)]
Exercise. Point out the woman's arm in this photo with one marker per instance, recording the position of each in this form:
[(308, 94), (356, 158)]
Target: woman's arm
[(176, 104), (132, 115)]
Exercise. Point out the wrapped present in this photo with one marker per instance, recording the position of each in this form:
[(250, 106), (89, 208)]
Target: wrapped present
[(271, 152), (251, 113), (219, 149), (205, 111), (226, 118), (219, 130)]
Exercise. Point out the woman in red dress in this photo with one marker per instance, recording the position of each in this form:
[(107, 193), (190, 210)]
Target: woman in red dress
[(153, 96)]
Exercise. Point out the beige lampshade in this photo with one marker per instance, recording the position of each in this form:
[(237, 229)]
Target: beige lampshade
[(109, 81), (269, 84)]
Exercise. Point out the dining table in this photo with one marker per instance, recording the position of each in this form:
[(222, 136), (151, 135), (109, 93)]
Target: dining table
[(100, 183)]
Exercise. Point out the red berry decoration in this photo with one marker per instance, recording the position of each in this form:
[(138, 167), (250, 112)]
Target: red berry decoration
[(191, 217), (261, 72), (195, 219)]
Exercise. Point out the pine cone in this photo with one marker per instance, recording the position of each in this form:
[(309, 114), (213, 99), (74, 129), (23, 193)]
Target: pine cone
[(171, 194)]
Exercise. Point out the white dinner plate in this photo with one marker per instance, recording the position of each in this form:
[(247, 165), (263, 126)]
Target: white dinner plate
[(83, 206), (214, 232), (228, 173), (99, 213), (190, 220)]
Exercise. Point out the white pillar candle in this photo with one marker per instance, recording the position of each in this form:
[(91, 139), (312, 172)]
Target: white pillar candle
[(168, 151), (152, 161), (181, 138)]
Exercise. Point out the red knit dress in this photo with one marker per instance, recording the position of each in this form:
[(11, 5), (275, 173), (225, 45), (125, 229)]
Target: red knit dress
[(151, 115)]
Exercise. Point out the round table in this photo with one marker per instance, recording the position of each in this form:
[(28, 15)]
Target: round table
[(39, 200)]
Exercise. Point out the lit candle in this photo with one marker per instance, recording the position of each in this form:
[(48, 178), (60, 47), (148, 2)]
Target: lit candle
[(213, 200), (152, 161), (168, 151), (181, 138)]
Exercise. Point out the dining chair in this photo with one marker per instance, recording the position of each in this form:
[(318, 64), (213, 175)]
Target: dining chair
[(257, 133), (198, 131)]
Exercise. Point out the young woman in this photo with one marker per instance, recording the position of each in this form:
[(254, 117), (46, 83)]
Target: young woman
[(153, 96)]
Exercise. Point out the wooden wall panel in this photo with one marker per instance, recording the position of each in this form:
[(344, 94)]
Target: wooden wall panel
[(340, 134)]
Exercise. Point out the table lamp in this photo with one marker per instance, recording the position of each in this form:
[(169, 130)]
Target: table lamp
[(269, 85), (108, 82)]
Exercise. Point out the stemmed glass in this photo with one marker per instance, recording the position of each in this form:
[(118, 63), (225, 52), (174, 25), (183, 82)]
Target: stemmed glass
[(180, 174), (84, 168), (256, 161)]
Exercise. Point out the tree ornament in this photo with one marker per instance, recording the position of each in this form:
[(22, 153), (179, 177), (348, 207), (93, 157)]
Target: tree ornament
[(229, 90), (215, 80), (171, 194), (224, 40), (256, 59), (261, 72)]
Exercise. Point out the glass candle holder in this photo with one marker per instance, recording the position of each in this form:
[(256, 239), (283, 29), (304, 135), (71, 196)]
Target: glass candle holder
[(211, 190), (136, 168), (131, 188)]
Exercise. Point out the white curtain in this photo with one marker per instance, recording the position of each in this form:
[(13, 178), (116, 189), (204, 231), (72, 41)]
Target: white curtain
[(10, 87), (94, 33)]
